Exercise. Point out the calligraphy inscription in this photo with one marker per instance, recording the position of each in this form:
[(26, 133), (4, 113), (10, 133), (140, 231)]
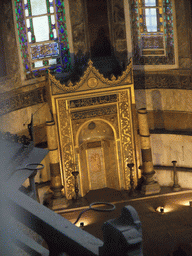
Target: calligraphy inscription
[(126, 140), (67, 152)]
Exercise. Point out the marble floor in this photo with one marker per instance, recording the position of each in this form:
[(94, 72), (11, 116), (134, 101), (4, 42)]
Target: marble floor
[(166, 234)]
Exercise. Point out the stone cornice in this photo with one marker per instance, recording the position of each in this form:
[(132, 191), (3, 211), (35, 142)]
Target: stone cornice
[(32, 95), (21, 100), (162, 81)]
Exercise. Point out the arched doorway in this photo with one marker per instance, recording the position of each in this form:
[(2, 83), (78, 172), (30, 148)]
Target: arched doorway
[(97, 157)]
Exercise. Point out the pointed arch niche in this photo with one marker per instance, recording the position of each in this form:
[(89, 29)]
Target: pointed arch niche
[(97, 154), (96, 134)]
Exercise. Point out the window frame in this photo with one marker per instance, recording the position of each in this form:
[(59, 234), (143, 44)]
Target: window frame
[(153, 35), (24, 53), (130, 40)]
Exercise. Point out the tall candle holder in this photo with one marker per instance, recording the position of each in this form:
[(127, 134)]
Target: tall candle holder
[(176, 186), (75, 174)]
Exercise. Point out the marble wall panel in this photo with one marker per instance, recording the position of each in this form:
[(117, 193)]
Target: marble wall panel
[(2, 53), (169, 147), (164, 99), (96, 168), (185, 179), (111, 165), (77, 16), (171, 121), (16, 121), (119, 30), (171, 100), (164, 178), (185, 62), (83, 175), (182, 28), (165, 149)]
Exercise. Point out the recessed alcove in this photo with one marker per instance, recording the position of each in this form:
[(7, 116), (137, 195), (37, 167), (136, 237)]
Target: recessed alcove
[(97, 156)]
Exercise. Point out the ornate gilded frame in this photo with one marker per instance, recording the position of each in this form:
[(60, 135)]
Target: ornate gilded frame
[(94, 97)]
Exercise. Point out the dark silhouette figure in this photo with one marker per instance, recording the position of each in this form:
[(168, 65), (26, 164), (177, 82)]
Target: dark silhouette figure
[(101, 46)]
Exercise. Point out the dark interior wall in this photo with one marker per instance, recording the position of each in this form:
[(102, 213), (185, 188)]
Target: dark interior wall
[(2, 53), (118, 29), (183, 20), (2, 57), (89, 15), (190, 28), (97, 18), (78, 16), (98, 28), (11, 56), (108, 15)]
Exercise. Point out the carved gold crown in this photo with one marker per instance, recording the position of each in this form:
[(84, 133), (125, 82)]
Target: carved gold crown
[(113, 81)]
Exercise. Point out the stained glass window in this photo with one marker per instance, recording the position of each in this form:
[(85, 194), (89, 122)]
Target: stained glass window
[(152, 32), (41, 26), (151, 19), (151, 27)]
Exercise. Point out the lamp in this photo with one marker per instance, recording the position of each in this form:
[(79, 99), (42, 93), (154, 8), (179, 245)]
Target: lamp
[(160, 209), (81, 225)]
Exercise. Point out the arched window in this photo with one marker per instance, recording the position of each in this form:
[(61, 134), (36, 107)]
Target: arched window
[(153, 38), (41, 26)]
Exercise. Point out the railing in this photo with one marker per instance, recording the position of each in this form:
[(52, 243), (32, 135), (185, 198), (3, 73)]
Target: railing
[(122, 236), (170, 168), (62, 236)]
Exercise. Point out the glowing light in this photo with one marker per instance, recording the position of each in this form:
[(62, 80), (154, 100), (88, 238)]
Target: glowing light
[(168, 209), (160, 209), (186, 203), (81, 224), (86, 222), (165, 209)]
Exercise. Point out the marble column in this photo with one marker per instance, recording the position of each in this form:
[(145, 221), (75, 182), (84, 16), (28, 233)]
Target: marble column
[(56, 184), (150, 186)]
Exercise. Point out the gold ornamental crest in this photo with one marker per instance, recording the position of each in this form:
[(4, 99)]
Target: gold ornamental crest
[(92, 82)]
